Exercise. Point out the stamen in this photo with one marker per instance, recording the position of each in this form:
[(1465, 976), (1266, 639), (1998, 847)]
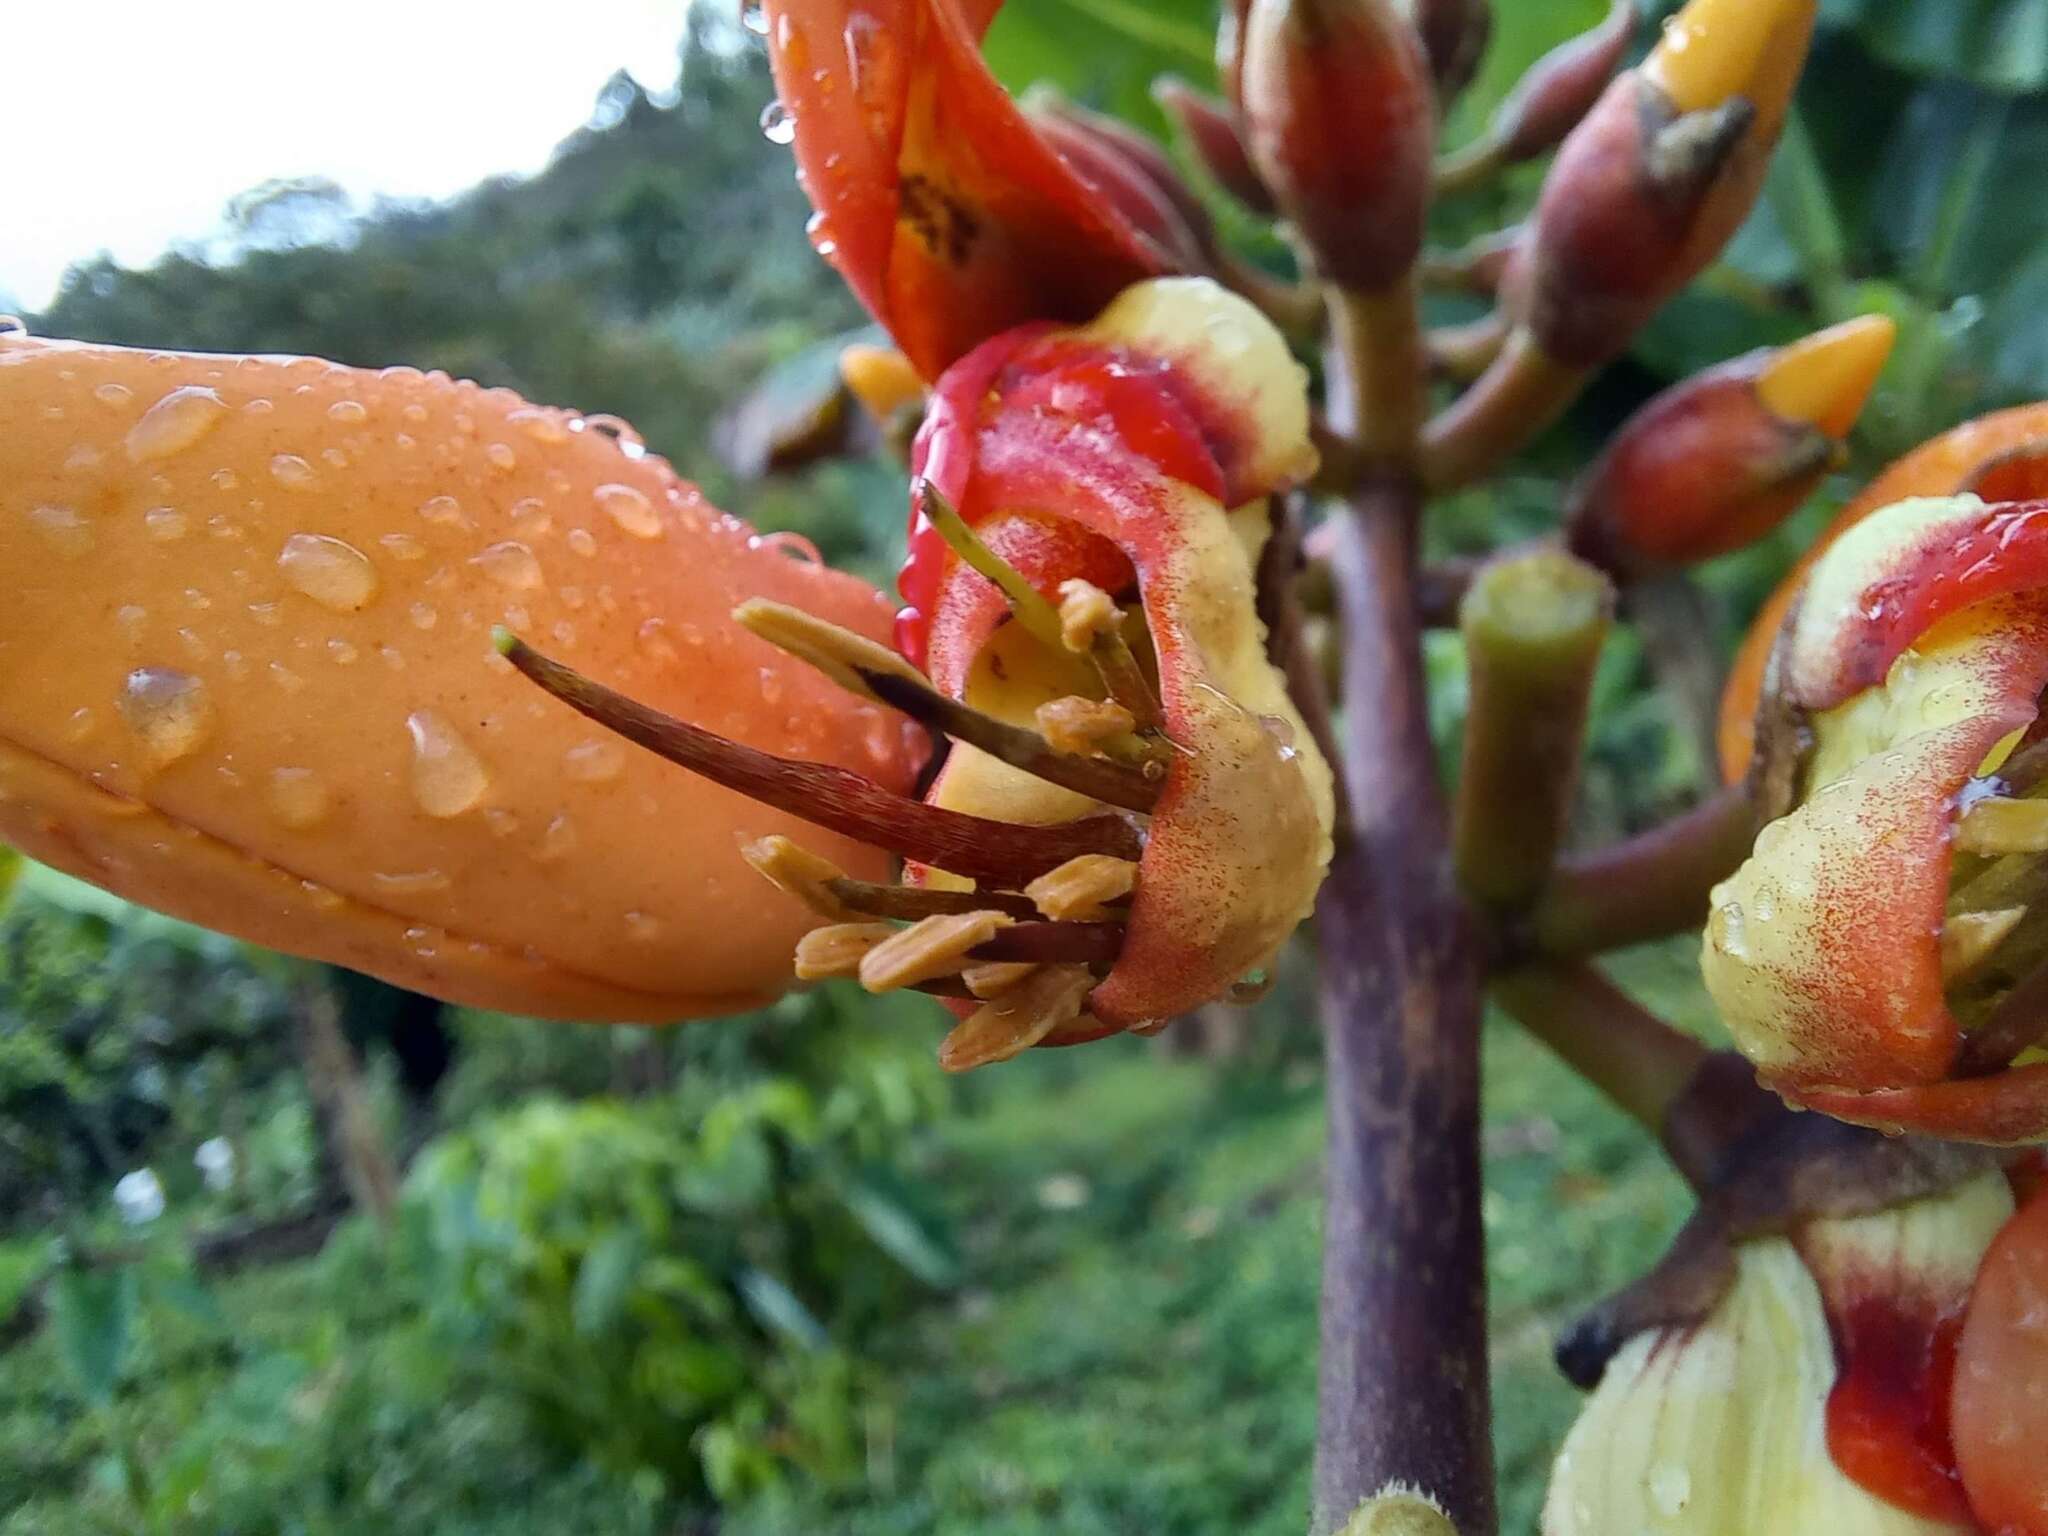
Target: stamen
[(2018, 1022), (937, 946), (1017, 1020), (826, 954), (1967, 939), (872, 671), (1091, 625), (1078, 890), (1000, 853), (820, 885), (1992, 828), (1026, 602), (992, 978)]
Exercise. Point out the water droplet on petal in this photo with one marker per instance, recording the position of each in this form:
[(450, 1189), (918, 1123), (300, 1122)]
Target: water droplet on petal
[(778, 124), (166, 525), (543, 426), (293, 472), (501, 458), (169, 712), (642, 928), (334, 574), (348, 412), (297, 798), (80, 725), (594, 762), (422, 882), (62, 529), (631, 510), (558, 841), (654, 641), (582, 542), (444, 511), (112, 393), (511, 564), (403, 546), (131, 617), (175, 423), (448, 777)]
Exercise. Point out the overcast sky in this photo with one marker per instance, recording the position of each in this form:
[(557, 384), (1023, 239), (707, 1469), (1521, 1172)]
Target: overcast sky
[(126, 124)]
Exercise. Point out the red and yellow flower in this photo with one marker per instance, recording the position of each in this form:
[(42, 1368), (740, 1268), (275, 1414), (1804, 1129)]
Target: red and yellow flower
[(1876, 956)]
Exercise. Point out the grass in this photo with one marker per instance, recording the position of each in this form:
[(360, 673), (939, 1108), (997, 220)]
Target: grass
[(1132, 1349)]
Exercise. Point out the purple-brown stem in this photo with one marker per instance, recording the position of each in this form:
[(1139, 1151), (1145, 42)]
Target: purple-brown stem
[(1404, 1392), (1649, 887)]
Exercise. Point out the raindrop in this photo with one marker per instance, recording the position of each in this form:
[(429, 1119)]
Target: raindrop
[(641, 928), (444, 511), (131, 617), (269, 615), (168, 710), (113, 394), (558, 841), (794, 545), (540, 425), (448, 777), (62, 529), (778, 123), (165, 524), (581, 541), (348, 411), (422, 882), (423, 615), (594, 762), (175, 423), (655, 642), (511, 564), (80, 725), (292, 472), (334, 574), (403, 546), (530, 516), (501, 458), (285, 677), (343, 652), (297, 798), (630, 510)]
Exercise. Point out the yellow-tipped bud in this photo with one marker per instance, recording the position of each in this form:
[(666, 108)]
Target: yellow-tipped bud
[(1716, 49), (881, 379), (1825, 379)]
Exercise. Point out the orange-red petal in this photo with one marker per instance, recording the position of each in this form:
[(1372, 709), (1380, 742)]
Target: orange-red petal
[(946, 212)]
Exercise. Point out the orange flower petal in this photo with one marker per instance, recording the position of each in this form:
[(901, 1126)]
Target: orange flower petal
[(246, 636), (937, 201)]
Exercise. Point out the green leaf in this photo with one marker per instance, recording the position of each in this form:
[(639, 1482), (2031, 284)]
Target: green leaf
[(10, 872), (93, 1314), (778, 1309), (22, 1265), (899, 1233), (1105, 53), (1999, 44), (603, 1280), (181, 1290)]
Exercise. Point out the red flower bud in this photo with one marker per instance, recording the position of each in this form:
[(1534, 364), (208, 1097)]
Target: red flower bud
[(1211, 133), (1454, 34), (1648, 188), (1718, 460), (1561, 87), (1341, 123), (1134, 176)]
